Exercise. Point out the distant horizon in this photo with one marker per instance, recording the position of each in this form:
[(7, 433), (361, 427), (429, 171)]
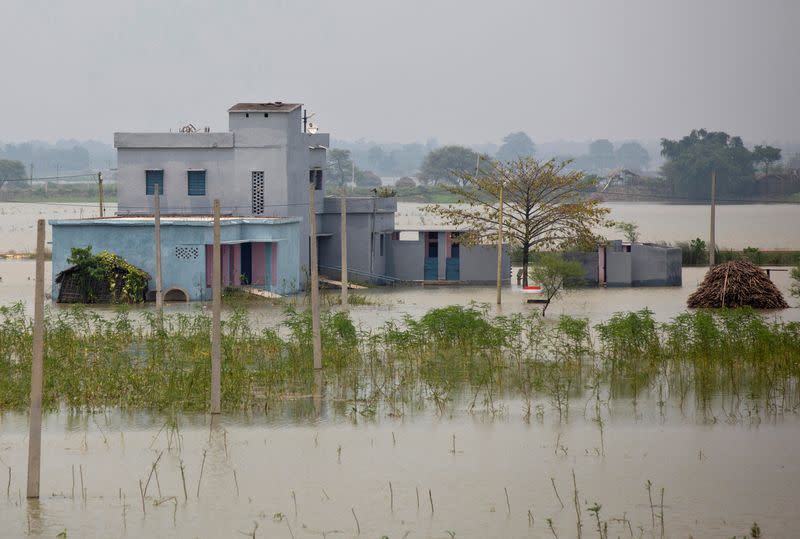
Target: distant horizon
[(461, 71), (371, 141)]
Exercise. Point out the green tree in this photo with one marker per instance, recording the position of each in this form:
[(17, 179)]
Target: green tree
[(544, 206), (691, 160), (11, 170), (766, 155), (447, 164), (632, 156), (515, 145), (340, 166), (553, 273), (629, 230)]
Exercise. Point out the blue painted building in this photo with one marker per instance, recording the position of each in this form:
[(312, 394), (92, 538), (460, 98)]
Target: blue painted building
[(262, 252)]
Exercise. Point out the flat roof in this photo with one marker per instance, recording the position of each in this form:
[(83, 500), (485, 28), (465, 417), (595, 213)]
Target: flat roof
[(273, 106), (195, 220)]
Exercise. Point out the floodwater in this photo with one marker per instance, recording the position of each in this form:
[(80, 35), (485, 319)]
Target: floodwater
[(392, 303), (301, 476), (18, 221), (309, 469), (766, 226)]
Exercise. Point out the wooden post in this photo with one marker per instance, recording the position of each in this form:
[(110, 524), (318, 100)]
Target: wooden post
[(343, 232), (37, 370), (157, 233), (100, 192), (500, 248), (314, 284), (216, 315), (712, 247)]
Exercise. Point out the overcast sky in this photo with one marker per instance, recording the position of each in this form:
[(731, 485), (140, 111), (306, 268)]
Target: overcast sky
[(459, 71)]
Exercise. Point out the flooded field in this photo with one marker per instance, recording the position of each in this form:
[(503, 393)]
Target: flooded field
[(387, 303), (306, 476), (674, 447)]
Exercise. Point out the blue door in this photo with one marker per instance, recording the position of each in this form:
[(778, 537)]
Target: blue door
[(452, 269), (432, 268)]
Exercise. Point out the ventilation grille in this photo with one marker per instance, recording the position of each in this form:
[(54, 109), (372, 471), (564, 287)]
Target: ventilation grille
[(186, 253), (258, 192)]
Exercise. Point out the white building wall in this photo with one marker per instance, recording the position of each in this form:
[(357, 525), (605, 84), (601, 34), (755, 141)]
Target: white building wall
[(272, 142), (175, 162)]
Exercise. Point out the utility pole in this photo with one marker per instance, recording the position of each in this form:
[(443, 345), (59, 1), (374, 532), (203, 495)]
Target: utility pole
[(315, 323), (343, 232), (216, 315), (157, 233), (37, 370), (712, 248), (500, 248), (100, 192)]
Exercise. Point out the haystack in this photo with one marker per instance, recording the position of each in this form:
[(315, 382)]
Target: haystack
[(737, 283)]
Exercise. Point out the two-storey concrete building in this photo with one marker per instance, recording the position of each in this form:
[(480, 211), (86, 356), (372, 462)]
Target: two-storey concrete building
[(263, 171)]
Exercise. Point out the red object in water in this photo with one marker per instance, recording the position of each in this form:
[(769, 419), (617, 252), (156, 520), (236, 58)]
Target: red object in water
[(532, 289)]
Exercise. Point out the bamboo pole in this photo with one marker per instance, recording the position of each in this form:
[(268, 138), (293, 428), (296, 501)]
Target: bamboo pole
[(37, 370), (157, 233), (500, 249), (712, 247), (314, 284), (344, 277), (216, 305)]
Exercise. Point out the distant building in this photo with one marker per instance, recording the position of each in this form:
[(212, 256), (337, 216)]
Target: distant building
[(406, 246), (262, 170), (619, 264)]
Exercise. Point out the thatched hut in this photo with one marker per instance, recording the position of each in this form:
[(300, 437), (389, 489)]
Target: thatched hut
[(101, 278), (738, 283)]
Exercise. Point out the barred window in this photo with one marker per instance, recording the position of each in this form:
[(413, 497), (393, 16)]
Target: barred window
[(151, 179), (196, 183)]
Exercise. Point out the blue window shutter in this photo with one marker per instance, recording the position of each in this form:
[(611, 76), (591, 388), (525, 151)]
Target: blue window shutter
[(153, 177), (197, 182)]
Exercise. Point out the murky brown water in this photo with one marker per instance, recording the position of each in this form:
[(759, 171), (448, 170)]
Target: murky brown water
[(392, 303), (718, 478)]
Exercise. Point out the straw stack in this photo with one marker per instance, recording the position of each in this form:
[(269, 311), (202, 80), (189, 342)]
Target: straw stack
[(737, 283)]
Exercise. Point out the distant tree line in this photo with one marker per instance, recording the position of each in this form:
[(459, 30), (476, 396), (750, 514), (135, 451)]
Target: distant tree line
[(691, 160)]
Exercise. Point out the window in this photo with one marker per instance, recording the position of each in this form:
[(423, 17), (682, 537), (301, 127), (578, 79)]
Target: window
[(257, 186), (315, 177), (187, 252), (153, 178), (266, 115), (197, 183), (381, 250), (246, 114)]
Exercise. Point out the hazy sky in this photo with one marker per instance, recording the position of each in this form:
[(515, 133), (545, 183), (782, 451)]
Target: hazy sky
[(460, 71)]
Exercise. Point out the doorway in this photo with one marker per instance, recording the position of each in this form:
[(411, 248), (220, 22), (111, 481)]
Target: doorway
[(246, 257)]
